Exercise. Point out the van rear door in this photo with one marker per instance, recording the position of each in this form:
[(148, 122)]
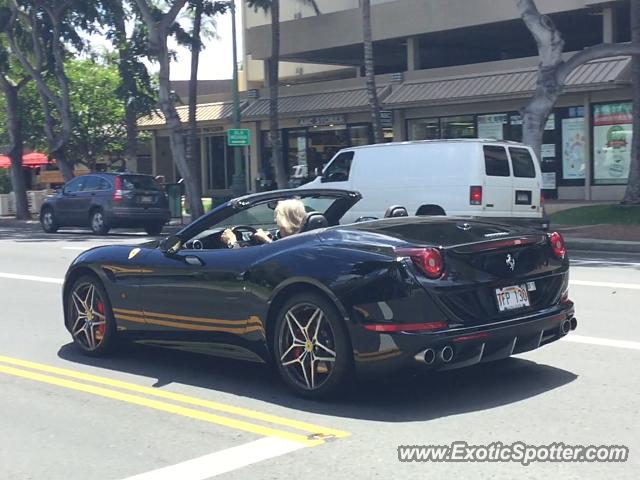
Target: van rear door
[(498, 183), (526, 183)]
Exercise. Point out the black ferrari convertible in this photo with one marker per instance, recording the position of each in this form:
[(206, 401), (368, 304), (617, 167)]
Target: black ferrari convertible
[(331, 301)]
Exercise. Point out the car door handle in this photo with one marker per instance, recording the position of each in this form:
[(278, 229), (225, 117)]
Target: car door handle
[(192, 260)]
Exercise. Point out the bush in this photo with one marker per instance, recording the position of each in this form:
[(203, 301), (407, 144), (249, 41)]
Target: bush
[(5, 181)]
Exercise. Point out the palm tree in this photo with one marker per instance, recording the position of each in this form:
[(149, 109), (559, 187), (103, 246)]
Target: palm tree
[(277, 159), (372, 91)]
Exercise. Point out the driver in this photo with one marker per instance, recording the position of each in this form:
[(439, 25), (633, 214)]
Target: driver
[(289, 216)]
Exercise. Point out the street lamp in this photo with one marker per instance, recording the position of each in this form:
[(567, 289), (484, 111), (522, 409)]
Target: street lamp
[(238, 183)]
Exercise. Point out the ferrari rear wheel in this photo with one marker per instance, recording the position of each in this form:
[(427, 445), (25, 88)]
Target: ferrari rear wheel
[(311, 346), (89, 317)]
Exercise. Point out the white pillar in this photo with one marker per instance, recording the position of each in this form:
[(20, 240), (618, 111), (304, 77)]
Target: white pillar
[(413, 54), (588, 152), (204, 164), (154, 153), (609, 34)]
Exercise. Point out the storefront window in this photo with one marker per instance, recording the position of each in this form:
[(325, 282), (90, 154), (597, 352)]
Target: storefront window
[(220, 163), (360, 135), (612, 129), (424, 129), (324, 143), (493, 126), (459, 127)]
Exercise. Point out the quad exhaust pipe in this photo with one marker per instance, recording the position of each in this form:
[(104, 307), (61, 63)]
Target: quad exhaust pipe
[(565, 327), (574, 323), (446, 354), (429, 356)]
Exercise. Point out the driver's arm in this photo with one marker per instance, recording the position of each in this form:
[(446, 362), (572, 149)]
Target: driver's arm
[(262, 236), (229, 238)]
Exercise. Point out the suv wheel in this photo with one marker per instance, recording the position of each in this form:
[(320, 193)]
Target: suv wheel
[(48, 221), (98, 223)]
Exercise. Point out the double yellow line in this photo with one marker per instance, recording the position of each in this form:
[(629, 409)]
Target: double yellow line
[(262, 423)]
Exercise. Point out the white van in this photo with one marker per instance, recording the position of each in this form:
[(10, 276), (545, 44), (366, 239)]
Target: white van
[(497, 180)]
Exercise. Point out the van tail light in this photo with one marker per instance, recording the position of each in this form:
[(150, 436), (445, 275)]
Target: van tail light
[(475, 195), (428, 260), (557, 245), (541, 199), (117, 191)]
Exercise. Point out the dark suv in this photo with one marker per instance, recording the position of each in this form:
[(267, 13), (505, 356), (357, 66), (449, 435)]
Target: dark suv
[(106, 200)]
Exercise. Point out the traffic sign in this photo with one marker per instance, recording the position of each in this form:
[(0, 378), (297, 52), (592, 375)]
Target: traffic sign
[(238, 137)]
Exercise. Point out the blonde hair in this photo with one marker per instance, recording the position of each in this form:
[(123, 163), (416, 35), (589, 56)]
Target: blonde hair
[(289, 215)]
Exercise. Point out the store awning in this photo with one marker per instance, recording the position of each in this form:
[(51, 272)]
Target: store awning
[(33, 160), (205, 112), (313, 103), (522, 82)]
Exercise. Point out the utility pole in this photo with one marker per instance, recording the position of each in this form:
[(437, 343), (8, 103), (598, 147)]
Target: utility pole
[(238, 183)]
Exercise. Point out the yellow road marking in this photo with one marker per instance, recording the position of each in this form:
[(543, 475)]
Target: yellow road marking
[(162, 406), (265, 417)]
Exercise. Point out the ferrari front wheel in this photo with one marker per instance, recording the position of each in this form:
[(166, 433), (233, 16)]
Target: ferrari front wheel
[(89, 317), (311, 346)]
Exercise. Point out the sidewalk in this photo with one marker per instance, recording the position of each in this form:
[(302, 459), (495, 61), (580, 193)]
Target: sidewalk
[(611, 237)]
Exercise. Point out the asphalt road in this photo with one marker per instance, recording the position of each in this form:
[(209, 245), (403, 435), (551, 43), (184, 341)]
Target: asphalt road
[(65, 416)]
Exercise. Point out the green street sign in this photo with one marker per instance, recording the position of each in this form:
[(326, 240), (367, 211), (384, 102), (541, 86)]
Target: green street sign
[(238, 137)]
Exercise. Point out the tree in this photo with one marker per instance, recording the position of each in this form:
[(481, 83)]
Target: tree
[(159, 26), (11, 82), (136, 90), (632, 194), (553, 69), (97, 115), (277, 160), (372, 91), (44, 21), (198, 11)]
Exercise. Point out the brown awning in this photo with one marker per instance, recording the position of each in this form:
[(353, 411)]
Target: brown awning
[(205, 112), (313, 103), (481, 87)]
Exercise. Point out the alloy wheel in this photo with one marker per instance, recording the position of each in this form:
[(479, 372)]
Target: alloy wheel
[(307, 351), (47, 219), (97, 221), (88, 319)]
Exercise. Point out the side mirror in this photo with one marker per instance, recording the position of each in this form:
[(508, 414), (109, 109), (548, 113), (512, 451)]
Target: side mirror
[(171, 245)]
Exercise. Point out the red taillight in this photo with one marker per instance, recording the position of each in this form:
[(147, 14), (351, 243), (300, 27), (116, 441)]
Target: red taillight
[(475, 195), (428, 260), (117, 190), (406, 327), (557, 245), (541, 199)]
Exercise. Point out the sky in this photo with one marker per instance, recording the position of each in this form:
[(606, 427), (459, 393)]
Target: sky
[(216, 60)]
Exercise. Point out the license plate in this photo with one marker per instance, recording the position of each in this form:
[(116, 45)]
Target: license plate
[(146, 199), (510, 298)]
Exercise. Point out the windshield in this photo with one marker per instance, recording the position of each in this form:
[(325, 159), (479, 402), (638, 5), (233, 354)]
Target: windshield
[(263, 215)]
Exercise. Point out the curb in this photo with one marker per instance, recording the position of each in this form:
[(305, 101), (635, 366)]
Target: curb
[(591, 244)]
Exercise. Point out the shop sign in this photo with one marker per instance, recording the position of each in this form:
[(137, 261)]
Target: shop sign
[(612, 141), (573, 145), (386, 119), (326, 120), (549, 180)]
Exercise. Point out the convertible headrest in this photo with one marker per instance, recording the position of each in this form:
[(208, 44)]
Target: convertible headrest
[(396, 211), (313, 221)]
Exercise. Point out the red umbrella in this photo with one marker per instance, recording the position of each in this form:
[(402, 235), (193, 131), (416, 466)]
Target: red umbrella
[(34, 159)]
